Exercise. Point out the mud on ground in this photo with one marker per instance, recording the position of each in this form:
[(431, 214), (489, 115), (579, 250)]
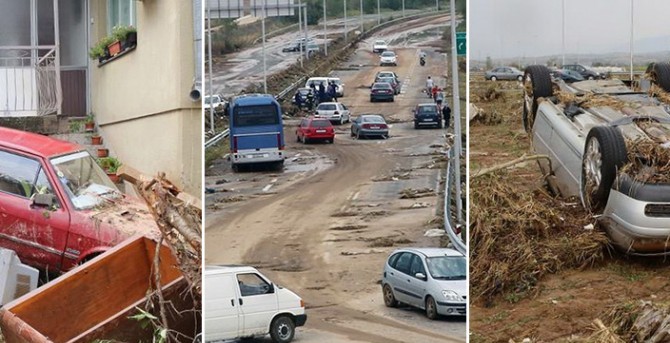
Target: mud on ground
[(538, 269)]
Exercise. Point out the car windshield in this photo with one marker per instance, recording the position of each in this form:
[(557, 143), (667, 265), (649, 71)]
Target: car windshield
[(305, 91), (388, 54), (373, 119), (380, 42), (447, 267), (85, 183)]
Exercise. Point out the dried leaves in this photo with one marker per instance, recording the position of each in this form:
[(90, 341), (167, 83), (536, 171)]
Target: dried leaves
[(642, 322)]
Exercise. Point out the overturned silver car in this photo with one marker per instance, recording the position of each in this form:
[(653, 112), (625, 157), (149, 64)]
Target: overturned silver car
[(608, 143)]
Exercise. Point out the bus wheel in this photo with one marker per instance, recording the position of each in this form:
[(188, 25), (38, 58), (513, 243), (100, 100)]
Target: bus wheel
[(236, 168)]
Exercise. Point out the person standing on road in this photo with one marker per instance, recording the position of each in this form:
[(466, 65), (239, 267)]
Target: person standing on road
[(298, 100), (429, 85), (332, 91), (446, 115), (322, 92)]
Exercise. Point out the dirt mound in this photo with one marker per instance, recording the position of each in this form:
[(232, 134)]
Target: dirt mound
[(517, 237)]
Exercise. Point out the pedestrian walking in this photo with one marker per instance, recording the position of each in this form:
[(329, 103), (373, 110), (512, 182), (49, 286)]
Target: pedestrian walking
[(446, 115)]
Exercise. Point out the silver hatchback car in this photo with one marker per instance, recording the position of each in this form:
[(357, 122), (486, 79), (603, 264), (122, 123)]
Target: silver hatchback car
[(432, 279)]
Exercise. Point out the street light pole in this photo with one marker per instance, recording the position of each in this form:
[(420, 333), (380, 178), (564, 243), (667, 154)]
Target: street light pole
[(632, 36), (563, 16), (325, 30), (305, 16), (301, 44), (209, 52), (361, 15), (379, 14), (457, 114), (265, 71), (437, 5), (403, 8), (345, 21)]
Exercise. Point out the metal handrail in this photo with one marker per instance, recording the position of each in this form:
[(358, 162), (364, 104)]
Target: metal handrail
[(459, 245)]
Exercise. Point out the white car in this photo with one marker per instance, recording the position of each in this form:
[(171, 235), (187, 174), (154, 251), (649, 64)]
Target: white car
[(379, 46), (334, 111), (216, 102), (243, 303), (388, 58), (317, 81)]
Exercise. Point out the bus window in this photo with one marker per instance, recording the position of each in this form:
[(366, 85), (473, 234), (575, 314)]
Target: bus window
[(255, 115)]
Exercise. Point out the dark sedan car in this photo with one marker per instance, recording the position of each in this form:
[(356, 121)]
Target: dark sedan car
[(382, 91), (367, 125), (392, 81), (585, 72), (568, 76)]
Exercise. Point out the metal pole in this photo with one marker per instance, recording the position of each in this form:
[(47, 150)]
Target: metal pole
[(362, 28), (345, 21), (403, 8), (379, 14), (59, 90), (632, 36), (563, 15), (301, 45), (457, 114), (437, 5), (304, 14), (325, 30), (265, 68), (210, 91)]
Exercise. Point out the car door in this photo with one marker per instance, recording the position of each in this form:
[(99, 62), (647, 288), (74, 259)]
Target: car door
[(38, 234), (258, 303), (416, 286), (398, 277), (222, 313), (346, 114)]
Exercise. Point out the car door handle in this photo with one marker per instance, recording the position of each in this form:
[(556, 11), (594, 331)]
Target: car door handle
[(232, 302), (241, 302), (392, 273)]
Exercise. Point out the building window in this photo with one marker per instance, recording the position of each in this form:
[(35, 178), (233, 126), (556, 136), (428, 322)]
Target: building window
[(120, 12)]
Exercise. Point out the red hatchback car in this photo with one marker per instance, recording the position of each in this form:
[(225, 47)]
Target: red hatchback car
[(57, 207), (315, 128)]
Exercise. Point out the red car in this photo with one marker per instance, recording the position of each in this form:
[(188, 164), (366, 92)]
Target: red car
[(57, 207), (315, 128)]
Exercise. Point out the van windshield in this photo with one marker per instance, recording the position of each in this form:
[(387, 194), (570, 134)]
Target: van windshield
[(255, 115)]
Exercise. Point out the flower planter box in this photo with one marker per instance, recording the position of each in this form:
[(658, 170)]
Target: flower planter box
[(114, 177), (103, 152), (89, 126), (96, 140)]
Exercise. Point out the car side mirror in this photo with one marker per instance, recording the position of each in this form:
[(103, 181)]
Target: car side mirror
[(44, 200), (271, 289), (421, 276)]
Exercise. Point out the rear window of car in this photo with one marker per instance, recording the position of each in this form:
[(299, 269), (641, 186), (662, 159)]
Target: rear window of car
[(320, 123), (326, 107), (427, 109), (386, 79), (373, 119), (380, 85)]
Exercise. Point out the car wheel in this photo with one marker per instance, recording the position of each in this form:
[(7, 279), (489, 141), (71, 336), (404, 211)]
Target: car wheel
[(604, 154), (416, 126), (282, 329), (332, 140), (297, 137), (519, 78), (493, 78), (431, 308), (372, 99), (352, 132), (537, 84), (591, 77), (392, 99), (389, 298), (236, 168), (660, 75)]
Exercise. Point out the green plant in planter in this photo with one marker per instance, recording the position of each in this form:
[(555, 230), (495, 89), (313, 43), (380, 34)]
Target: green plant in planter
[(98, 50), (109, 164), (75, 126), (90, 118)]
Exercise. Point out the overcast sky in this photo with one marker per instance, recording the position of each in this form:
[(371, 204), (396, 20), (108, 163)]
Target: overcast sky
[(518, 28)]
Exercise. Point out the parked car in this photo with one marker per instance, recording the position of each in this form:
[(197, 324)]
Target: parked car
[(431, 279), (55, 188), (504, 73), (307, 97), (367, 125), (585, 72), (216, 102), (392, 81), (379, 46), (388, 58), (607, 147), (292, 47), (243, 303), (569, 76), (318, 80), (315, 128), (336, 112), (382, 91), (427, 114)]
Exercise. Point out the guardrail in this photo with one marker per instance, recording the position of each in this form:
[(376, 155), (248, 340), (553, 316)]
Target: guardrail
[(217, 138), (458, 243), (624, 73)]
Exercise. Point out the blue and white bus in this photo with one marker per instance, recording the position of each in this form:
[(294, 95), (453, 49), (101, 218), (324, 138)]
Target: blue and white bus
[(256, 131)]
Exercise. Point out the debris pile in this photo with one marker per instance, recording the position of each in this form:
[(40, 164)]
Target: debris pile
[(648, 161), (642, 322), (517, 237)]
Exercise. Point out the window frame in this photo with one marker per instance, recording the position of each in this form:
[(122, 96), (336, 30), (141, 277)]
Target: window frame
[(132, 15)]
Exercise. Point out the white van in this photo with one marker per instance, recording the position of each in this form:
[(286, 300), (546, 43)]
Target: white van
[(317, 81), (241, 302)]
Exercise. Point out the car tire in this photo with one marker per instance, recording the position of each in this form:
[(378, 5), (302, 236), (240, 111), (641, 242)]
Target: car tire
[(341, 120), (519, 78), (431, 308), (660, 75), (416, 126), (604, 154), (537, 79), (372, 99), (439, 125), (332, 140), (392, 99), (389, 297), (236, 168), (493, 78), (282, 329)]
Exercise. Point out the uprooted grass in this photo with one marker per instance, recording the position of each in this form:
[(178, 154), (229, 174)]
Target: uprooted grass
[(633, 322), (517, 237)]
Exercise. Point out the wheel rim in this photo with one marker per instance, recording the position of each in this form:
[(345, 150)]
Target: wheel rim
[(283, 331), (388, 295), (430, 307), (592, 168)]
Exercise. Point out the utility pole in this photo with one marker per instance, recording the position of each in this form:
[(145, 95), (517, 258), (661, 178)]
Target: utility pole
[(403, 8), (345, 21), (325, 30), (563, 11), (210, 91), (457, 115), (302, 45), (437, 5), (379, 14), (362, 29), (306, 43), (265, 70), (632, 36)]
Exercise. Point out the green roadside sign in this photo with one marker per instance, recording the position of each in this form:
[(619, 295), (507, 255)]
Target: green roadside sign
[(460, 44)]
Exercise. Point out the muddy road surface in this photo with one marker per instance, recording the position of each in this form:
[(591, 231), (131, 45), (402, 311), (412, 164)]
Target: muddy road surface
[(324, 225)]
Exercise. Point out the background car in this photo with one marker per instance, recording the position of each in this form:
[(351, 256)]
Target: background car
[(431, 279), (392, 81), (568, 76), (367, 125), (427, 114), (307, 97), (334, 111), (585, 72), (388, 58), (382, 91), (379, 46), (317, 80), (216, 102), (504, 73), (386, 73), (314, 128)]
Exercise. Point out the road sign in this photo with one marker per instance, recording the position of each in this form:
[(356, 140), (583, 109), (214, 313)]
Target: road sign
[(460, 44)]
